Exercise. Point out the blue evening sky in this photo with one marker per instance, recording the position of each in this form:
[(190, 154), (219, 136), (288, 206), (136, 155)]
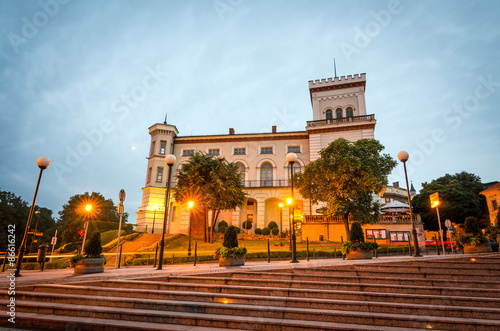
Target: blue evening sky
[(81, 81)]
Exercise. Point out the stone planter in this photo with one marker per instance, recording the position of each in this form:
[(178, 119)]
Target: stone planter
[(231, 261), (359, 254), (480, 248), (89, 266)]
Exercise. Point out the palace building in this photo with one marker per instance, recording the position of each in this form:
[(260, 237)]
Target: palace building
[(338, 111)]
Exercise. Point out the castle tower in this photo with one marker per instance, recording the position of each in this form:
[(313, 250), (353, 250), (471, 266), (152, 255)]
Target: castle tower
[(153, 195), (339, 111)]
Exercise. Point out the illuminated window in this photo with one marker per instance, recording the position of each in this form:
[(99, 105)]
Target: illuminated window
[(188, 152), (159, 175), (399, 236), (329, 114), (376, 234), (293, 149), (163, 144), (339, 112), (240, 151), (266, 150), (214, 151)]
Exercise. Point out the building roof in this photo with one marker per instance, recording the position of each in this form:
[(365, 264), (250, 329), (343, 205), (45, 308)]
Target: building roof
[(489, 188)]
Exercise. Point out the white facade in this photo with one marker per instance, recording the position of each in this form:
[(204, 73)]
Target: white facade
[(339, 111)]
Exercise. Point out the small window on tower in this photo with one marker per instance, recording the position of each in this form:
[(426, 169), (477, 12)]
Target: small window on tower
[(159, 175), (339, 112), (329, 114), (349, 112), (163, 144)]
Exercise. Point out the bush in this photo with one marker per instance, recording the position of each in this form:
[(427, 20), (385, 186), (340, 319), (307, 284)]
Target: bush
[(258, 231), (472, 225), (222, 229), (223, 224), (266, 231), (492, 232), (356, 233), (238, 230), (247, 225), (231, 237), (94, 248), (272, 225), (275, 231)]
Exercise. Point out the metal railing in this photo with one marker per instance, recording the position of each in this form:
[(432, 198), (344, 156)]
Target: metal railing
[(266, 183), (384, 219), (341, 120)]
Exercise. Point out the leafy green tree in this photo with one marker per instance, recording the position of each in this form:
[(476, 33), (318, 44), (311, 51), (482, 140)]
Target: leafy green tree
[(210, 181), (356, 234), (94, 248), (15, 211), (345, 177), (459, 197), (471, 225), (231, 237), (102, 216)]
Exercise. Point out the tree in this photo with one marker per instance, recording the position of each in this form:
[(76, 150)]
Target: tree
[(102, 216), (94, 248), (345, 177), (213, 182), (231, 237), (356, 234), (459, 197), (14, 211)]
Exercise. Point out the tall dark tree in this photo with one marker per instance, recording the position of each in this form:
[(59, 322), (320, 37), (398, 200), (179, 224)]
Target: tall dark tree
[(14, 211), (345, 177), (210, 181), (459, 196), (102, 216)]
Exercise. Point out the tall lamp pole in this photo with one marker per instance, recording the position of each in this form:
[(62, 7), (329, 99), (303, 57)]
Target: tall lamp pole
[(190, 205), (403, 157), (170, 161), (292, 158), (121, 196), (43, 163)]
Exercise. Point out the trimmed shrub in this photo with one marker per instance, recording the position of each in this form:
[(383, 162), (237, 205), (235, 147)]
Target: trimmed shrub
[(247, 225), (471, 225), (231, 237), (258, 231), (272, 225), (94, 248), (356, 233), (222, 229), (223, 224), (275, 231), (266, 231)]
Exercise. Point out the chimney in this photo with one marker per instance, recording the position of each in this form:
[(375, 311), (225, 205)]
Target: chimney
[(395, 184), (231, 131), (274, 128)]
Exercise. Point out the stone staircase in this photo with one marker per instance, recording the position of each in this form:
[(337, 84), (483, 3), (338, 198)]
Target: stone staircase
[(438, 294)]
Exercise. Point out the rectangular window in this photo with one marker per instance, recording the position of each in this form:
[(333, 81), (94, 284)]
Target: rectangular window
[(240, 151), (159, 175), (188, 152), (163, 144), (494, 204), (293, 149), (376, 234), (266, 150), (213, 151)]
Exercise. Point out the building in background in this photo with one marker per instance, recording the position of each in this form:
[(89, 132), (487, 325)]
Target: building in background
[(492, 194)]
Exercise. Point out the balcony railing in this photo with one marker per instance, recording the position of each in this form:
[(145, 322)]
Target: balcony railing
[(341, 120), (384, 219), (266, 183)]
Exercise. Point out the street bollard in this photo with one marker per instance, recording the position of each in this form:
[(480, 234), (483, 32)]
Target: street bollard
[(195, 252), (307, 245), (268, 252), (156, 255), (335, 251), (42, 253), (409, 245), (437, 246), (387, 250), (173, 258)]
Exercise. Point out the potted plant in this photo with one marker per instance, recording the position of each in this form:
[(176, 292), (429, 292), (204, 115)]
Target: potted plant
[(93, 261), (473, 241), (230, 254), (356, 248)]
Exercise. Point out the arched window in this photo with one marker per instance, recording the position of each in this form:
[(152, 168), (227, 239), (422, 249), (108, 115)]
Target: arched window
[(349, 112), (241, 169), (296, 168), (339, 112), (329, 114), (266, 175)]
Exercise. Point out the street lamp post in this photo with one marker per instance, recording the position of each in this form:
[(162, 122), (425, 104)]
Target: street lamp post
[(170, 161), (121, 196), (43, 163), (292, 158), (403, 157), (155, 208), (190, 205), (33, 238), (281, 220)]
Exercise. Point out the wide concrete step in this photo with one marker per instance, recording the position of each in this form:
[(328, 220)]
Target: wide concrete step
[(390, 279), (263, 318), (202, 319), (210, 292), (254, 305), (258, 285)]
